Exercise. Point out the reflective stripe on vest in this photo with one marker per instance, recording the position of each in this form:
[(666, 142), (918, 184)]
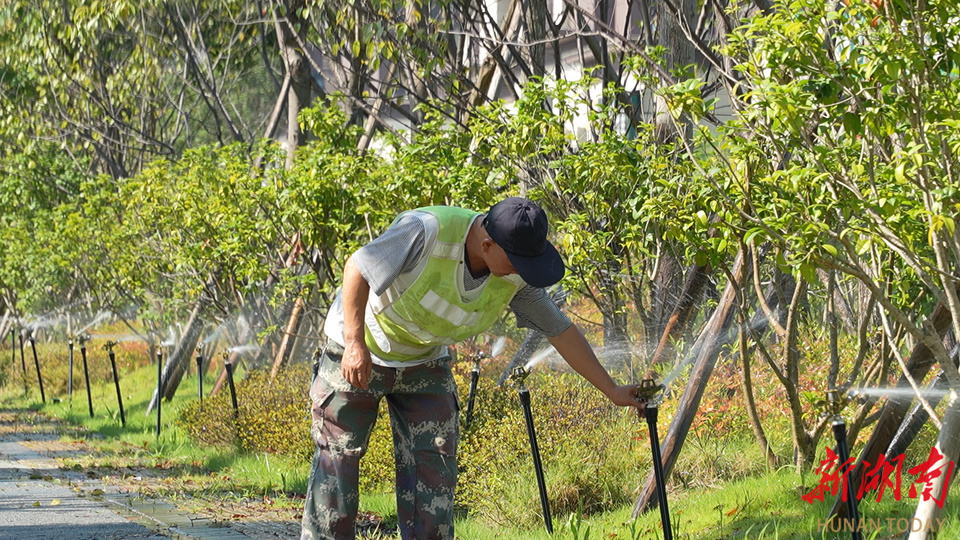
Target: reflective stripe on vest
[(428, 306)]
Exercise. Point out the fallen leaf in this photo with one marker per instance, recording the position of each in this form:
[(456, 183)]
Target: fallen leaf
[(732, 512), (55, 502), (36, 504)]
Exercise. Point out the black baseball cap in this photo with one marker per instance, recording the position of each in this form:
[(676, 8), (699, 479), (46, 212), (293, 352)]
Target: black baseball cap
[(519, 226)]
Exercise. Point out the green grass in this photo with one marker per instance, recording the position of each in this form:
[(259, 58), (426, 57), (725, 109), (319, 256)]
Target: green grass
[(767, 506), (137, 444)]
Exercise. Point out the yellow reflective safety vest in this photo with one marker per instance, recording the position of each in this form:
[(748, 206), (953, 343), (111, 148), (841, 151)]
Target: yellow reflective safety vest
[(428, 307)]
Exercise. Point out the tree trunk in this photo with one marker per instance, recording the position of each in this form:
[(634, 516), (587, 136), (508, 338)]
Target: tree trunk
[(298, 71), (746, 384), (176, 364), (948, 445), (665, 291), (485, 87), (804, 444), (373, 119), (613, 310), (682, 312), (680, 53), (831, 320), (712, 341), (5, 325), (535, 14), (289, 337)]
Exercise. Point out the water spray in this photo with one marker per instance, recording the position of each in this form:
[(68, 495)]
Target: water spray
[(228, 365), (518, 379), (83, 339), (540, 356), (116, 379), (100, 317), (651, 394), (471, 396), (497, 347), (832, 407), (200, 376), (36, 362), (159, 385)]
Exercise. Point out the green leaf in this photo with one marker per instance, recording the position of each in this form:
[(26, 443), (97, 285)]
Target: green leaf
[(809, 273), (753, 234), (701, 218), (852, 124), (899, 174), (892, 69)]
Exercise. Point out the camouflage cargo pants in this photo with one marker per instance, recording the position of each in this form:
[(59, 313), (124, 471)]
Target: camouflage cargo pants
[(423, 416)]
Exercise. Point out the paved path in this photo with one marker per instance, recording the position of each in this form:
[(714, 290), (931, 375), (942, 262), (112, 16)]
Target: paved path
[(35, 505), (39, 501)]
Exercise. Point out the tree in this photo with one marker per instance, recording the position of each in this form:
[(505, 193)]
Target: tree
[(121, 83), (844, 157)]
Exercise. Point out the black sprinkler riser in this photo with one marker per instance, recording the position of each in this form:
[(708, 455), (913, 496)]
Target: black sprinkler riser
[(36, 362), (537, 465)]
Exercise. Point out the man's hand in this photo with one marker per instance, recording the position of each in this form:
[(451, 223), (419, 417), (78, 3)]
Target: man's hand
[(573, 347), (356, 364), (626, 396)]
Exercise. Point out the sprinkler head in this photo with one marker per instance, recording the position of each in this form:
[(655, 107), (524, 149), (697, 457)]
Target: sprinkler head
[(855, 394), (109, 345), (476, 360), (833, 403), (649, 392), (199, 349), (518, 376), (84, 338)]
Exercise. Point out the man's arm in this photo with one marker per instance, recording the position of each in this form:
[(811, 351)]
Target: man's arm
[(578, 353), (356, 364)]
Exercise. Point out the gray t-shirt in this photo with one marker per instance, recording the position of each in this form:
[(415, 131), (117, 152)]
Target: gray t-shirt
[(400, 248)]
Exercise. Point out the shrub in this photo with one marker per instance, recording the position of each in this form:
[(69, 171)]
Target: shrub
[(273, 415), (591, 457), (591, 453)]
